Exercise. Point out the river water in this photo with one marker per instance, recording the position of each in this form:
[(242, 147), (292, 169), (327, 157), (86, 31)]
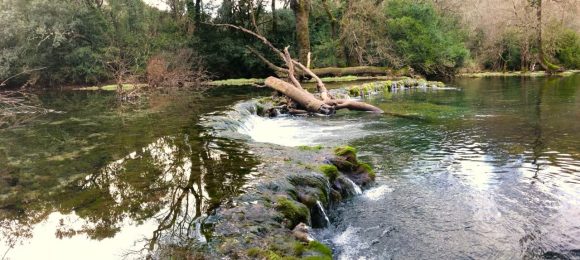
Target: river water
[(487, 170)]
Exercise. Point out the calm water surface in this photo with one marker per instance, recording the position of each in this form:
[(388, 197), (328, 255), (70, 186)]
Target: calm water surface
[(490, 170), (98, 181)]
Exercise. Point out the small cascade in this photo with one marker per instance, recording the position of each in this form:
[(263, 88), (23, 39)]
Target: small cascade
[(321, 208), (357, 190), (197, 232)]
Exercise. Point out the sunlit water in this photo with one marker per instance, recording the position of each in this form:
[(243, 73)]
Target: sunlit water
[(489, 170)]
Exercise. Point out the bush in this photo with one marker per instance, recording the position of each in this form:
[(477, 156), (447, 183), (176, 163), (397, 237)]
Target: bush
[(426, 41), (568, 49)]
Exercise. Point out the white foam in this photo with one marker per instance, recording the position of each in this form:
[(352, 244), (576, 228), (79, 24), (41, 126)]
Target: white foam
[(352, 245), (288, 131), (378, 192), (356, 188)]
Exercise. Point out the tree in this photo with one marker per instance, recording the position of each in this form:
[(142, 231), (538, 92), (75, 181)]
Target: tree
[(425, 40), (301, 10)]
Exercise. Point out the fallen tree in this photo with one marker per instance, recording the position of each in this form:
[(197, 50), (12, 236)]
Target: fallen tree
[(302, 101), (326, 71)]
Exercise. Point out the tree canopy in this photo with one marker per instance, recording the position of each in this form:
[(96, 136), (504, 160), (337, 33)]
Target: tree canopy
[(81, 42)]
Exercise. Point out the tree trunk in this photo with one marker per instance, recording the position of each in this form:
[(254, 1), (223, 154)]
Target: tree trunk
[(307, 100), (198, 4), (301, 10), (314, 105), (546, 65), (274, 20)]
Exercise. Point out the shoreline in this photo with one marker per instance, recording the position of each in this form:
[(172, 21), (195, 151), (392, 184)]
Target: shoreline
[(489, 74), (251, 81)]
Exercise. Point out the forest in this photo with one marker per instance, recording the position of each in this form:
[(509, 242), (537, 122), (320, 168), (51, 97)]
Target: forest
[(47, 43), (289, 129)]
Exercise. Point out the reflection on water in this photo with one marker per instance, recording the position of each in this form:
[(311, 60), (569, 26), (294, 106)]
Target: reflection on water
[(498, 179), (98, 184)]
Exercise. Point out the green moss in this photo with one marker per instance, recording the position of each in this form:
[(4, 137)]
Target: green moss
[(298, 248), (259, 109), (344, 150), (368, 169), (324, 251), (354, 91), (330, 171), (339, 79), (236, 82), (310, 148), (294, 211), (254, 252)]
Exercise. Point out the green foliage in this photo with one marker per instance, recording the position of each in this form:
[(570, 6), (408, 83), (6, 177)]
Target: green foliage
[(427, 41), (80, 43), (330, 171), (568, 49)]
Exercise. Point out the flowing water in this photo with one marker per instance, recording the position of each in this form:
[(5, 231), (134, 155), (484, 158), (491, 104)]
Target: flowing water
[(489, 169)]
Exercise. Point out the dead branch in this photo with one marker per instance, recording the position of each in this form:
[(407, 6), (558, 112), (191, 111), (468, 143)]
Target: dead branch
[(21, 73), (305, 100)]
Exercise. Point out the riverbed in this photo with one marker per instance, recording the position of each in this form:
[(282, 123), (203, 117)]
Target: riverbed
[(486, 169)]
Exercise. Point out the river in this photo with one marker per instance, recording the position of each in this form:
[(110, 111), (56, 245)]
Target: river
[(489, 169)]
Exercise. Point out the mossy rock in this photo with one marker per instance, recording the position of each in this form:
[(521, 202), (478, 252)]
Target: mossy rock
[(330, 171), (295, 212), (366, 168), (344, 150)]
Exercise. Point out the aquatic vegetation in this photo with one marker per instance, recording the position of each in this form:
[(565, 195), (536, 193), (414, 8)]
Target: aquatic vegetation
[(423, 110), (390, 85)]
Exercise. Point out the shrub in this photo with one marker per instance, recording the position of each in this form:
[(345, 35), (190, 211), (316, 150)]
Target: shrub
[(568, 49), (429, 43)]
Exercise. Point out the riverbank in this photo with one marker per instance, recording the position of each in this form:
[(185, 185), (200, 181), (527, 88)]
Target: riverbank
[(485, 74)]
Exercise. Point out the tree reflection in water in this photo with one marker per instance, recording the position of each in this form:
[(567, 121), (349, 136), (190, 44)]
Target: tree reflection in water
[(173, 182)]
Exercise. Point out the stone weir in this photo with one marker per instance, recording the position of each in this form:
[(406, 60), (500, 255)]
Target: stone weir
[(294, 190)]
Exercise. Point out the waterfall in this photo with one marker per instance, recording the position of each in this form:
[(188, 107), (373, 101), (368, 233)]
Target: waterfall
[(242, 122), (323, 212), (197, 232), (356, 188)]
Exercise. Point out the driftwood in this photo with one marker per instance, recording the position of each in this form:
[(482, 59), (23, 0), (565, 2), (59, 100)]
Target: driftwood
[(306, 102)]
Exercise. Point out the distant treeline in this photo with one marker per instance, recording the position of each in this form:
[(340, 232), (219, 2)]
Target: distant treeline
[(80, 42)]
